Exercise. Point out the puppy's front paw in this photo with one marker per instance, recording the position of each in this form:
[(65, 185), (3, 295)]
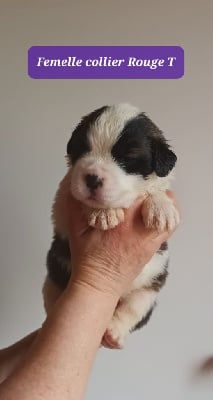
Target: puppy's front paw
[(105, 219), (159, 212)]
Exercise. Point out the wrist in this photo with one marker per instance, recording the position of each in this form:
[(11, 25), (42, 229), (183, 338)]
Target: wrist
[(94, 301)]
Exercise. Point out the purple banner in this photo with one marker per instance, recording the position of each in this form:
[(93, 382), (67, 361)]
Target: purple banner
[(106, 62)]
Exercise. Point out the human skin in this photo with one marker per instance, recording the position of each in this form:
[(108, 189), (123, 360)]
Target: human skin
[(60, 359), (11, 356)]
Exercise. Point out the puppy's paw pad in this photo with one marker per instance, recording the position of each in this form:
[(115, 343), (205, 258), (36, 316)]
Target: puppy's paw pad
[(110, 342), (105, 219), (160, 213)]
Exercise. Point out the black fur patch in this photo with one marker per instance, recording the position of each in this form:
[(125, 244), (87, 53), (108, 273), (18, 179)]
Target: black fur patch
[(142, 149), (164, 159), (58, 261), (132, 151), (159, 281), (162, 248), (144, 320), (78, 144)]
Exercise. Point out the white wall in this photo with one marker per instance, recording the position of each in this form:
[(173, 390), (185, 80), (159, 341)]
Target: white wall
[(36, 119)]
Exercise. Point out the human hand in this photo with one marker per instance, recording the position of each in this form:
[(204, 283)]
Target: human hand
[(110, 260)]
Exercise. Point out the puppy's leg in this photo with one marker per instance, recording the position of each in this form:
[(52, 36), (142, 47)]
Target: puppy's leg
[(51, 293), (132, 309), (159, 212)]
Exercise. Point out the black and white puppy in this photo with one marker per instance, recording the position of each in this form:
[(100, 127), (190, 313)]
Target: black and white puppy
[(116, 154)]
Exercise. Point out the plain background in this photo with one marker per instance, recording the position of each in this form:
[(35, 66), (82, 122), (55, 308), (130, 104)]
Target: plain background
[(37, 117)]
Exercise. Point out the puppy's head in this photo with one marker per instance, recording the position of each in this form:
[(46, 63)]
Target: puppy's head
[(115, 152)]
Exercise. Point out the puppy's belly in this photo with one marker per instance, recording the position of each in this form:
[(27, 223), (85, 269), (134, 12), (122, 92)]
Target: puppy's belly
[(154, 274)]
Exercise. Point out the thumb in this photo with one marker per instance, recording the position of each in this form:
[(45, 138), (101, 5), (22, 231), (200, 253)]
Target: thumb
[(67, 209), (77, 218)]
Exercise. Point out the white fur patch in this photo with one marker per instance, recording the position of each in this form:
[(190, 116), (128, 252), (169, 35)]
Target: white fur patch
[(107, 128), (119, 189)]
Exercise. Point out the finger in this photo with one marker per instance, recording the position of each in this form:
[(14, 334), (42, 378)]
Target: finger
[(77, 218), (134, 209)]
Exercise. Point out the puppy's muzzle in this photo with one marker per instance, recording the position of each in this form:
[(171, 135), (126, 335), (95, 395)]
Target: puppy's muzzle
[(93, 182)]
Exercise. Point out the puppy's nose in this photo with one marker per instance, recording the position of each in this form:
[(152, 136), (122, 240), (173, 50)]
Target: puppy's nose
[(93, 181)]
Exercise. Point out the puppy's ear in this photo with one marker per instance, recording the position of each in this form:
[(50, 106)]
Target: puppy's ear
[(163, 159), (69, 147)]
